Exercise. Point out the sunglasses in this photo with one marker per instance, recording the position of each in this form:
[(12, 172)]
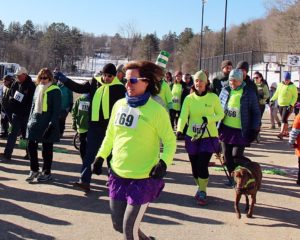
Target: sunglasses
[(135, 80), (44, 78)]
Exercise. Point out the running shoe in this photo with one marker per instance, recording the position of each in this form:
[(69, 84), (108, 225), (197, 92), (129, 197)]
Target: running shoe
[(32, 175)]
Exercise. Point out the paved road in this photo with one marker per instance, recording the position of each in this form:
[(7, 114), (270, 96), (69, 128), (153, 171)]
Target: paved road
[(57, 211)]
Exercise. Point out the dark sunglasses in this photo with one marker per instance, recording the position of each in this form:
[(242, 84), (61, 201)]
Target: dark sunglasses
[(44, 78), (107, 75), (135, 80)]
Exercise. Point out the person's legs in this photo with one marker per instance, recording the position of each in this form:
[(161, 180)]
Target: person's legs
[(272, 117), (131, 222), (228, 157), (47, 153), (172, 117), (82, 146), (95, 137), (33, 155), (117, 209), (62, 121), (298, 180), (12, 137)]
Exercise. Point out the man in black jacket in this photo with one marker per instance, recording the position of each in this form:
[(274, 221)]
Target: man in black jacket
[(104, 91), (19, 104), (222, 79)]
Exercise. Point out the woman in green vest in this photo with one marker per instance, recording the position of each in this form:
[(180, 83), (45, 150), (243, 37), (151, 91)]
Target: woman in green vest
[(43, 125)]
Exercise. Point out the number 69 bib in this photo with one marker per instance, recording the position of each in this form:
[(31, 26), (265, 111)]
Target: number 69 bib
[(127, 117)]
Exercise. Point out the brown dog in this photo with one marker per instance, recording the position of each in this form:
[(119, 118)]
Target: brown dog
[(248, 177)]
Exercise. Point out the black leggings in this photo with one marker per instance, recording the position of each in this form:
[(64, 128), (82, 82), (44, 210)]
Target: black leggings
[(230, 151), (174, 115), (127, 218), (82, 146), (47, 154), (199, 164)]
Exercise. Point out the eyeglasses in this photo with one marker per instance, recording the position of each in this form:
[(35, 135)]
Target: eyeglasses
[(256, 78), (135, 80), (44, 78), (107, 75)]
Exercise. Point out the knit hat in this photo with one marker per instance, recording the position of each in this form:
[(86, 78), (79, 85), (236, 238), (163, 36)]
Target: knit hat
[(200, 75), (287, 75), (162, 59), (8, 77), (20, 71), (226, 63), (273, 85), (120, 68), (109, 69), (236, 74), (243, 65)]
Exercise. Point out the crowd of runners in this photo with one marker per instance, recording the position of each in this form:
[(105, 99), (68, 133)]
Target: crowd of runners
[(131, 116)]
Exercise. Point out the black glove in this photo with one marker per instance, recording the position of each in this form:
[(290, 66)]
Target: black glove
[(204, 119), (48, 131), (97, 167), (159, 170), (60, 77), (252, 135)]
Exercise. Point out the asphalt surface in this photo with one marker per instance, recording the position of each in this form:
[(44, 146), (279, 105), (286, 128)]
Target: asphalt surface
[(56, 210)]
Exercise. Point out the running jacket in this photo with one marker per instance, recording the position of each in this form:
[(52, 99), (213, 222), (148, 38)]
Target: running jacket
[(134, 136)]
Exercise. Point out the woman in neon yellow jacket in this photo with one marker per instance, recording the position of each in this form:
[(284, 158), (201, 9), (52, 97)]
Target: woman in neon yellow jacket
[(136, 127), (286, 94), (201, 106)]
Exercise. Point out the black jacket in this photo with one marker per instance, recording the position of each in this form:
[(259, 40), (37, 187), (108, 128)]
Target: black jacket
[(219, 82), (20, 97), (116, 92)]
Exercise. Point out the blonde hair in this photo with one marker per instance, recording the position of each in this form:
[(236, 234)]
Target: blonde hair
[(43, 72)]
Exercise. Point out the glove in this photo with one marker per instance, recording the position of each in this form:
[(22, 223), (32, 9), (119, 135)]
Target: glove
[(48, 131), (97, 166), (252, 135), (159, 170), (204, 119), (179, 136), (60, 77)]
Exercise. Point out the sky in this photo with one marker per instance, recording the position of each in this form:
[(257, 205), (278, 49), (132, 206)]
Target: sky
[(146, 16)]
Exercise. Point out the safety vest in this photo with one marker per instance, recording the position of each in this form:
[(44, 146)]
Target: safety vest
[(101, 97), (45, 104)]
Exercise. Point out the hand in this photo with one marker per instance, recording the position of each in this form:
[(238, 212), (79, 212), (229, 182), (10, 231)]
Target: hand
[(179, 136), (97, 166), (48, 131), (60, 77), (159, 171), (204, 119), (289, 108)]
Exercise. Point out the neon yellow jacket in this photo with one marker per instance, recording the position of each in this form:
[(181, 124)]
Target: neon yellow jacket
[(194, 108), (135, 141), (285, 94)]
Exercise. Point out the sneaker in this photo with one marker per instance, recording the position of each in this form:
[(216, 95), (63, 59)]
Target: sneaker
[(280, 136), (5, 157), (272, 127), (44, 177), (82, 186), (32, 176), (202, 198)]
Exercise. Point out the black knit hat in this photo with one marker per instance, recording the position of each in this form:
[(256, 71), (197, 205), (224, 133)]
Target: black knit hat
[(243, 65), (226, 63), (109, 69)]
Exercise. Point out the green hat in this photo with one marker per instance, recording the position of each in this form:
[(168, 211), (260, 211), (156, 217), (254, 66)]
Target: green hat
[(162, 59)]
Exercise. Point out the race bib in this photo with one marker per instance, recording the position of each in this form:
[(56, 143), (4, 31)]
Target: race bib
[(18, 96), (232, 112), (175, 100), (127, 117), (84, 106), (197, 128)]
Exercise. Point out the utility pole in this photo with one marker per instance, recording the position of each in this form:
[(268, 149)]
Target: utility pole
[(201, 35), (224, 35)]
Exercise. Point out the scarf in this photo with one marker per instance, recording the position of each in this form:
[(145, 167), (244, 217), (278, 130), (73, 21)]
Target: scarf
[(137, 101), (39, 95)]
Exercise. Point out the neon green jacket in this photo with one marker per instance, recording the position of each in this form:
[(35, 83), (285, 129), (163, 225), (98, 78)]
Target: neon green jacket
[(133, 135), (194, 108), (285, 94), (165, 94)]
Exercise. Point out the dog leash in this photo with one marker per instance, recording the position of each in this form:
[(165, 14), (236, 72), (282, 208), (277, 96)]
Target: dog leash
[(218, 156)]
